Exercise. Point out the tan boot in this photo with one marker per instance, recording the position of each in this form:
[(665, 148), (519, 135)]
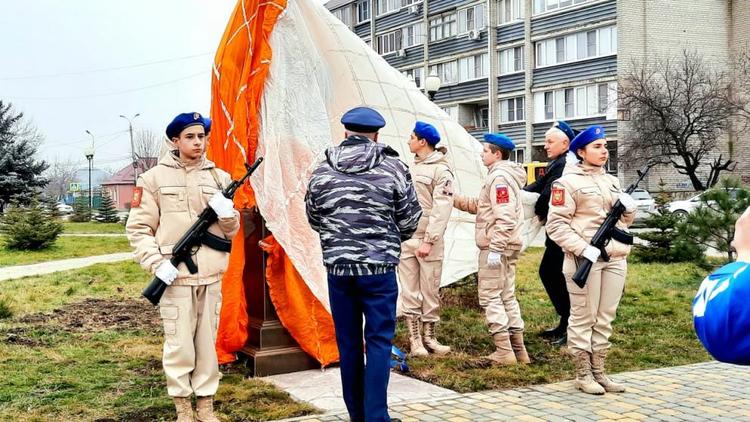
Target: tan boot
[(519, 349), (204, 407), (503, 354), (597, 370), (184, 409), (584, 379), (430, 342), (415, 337)]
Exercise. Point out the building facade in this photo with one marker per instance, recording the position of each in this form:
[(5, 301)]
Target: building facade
[(516, 66)]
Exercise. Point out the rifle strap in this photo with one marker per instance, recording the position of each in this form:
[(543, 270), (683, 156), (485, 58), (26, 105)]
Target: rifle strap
[(221, 187), (215, 242), (216, 178), (622, 236)]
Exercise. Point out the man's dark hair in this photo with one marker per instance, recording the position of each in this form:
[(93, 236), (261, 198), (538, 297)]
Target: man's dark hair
[(504, 153)]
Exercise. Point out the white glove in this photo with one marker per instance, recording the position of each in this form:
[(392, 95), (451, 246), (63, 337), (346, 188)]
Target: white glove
[(628, 202), (224, 207), (494, 259), (167, 272), (591, 253)]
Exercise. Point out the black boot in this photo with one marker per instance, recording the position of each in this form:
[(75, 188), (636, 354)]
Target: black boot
[(562, 341), (557, 332)]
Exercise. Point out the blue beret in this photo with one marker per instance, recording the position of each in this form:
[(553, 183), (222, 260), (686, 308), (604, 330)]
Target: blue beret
[(427, 132), (362, 119), (500, 140), (566, 129), (186, 120), (721, 313), (586, 137)]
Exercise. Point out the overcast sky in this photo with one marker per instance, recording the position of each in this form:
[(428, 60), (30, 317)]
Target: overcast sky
[(75, 65)]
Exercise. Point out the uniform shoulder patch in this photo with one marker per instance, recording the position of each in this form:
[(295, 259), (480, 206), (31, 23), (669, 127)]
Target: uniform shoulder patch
[(501, 194), (137, 195), (558, 196)]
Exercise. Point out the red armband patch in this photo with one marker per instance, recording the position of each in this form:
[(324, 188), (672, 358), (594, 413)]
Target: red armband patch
[(137, 195), (558, 196), (501, 194)]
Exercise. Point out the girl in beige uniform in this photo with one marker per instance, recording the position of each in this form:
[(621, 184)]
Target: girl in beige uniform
[(579, 203)]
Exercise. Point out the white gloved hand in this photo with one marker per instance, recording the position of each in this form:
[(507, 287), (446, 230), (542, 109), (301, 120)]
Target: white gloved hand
[(223, 206), (628, 202), (494, 259), (167, 272), (591, 253)]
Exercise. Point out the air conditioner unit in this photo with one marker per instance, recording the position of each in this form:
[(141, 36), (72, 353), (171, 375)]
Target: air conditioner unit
[(414, 9), (474, 34), (401, 52)]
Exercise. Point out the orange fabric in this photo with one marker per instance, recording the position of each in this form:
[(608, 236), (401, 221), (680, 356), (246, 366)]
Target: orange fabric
[(240, 69), (300, 313)]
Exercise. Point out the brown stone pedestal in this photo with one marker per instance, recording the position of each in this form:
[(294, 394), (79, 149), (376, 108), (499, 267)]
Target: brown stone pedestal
[(269, 349)]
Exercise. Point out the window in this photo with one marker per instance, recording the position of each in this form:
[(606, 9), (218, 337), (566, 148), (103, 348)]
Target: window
[(344, 14), (471, 18), (511, 60), (415, 75), (385, 6), (363, 11), (517, 155), (483, 117), (541, 6), (443, 27), (578, 102), (569, 104), (603, 100), (511, 110), (579, 46), (389, 42), (549, 106), (451, 111), (447, 72), (473, 67), (510, 10), (412, 35)]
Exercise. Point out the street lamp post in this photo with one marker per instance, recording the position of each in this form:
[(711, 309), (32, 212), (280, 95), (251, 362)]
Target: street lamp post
[(89, 152), (132, 148), (432, 85)]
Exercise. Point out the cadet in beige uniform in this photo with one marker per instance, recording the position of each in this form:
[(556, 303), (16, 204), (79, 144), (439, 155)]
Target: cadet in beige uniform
[(498, 235), (422, 256), (579, 203), (166, 201)]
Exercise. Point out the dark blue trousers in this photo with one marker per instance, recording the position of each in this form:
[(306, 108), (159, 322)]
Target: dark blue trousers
[(374, 297)]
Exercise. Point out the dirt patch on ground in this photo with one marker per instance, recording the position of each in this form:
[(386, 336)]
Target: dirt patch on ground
[(94, 315)]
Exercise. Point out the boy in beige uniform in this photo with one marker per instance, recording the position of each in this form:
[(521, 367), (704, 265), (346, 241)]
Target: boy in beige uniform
[(498, 235), (166, 201), (421, 262), (579, 203)]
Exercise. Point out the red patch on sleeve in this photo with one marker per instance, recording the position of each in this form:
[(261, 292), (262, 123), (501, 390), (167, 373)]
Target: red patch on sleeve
[(558, 196), (501, 194), (137, 195)]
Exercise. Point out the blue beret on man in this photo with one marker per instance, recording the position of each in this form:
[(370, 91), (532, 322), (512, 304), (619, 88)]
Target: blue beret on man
[(721, 313), (586, 137), (185, 120), (500, 140), (565, 128), (427, 132), (362, 120)]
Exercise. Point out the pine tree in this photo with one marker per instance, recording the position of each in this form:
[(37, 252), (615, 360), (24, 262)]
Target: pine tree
[(49, 205), (107, 210), (81, 210), (29, 228)]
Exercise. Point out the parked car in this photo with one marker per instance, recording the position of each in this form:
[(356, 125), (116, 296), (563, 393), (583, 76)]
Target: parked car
[(64, 208), (685, 207), (646, 204)]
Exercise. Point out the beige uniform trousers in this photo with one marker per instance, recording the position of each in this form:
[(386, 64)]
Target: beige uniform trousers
[(497, 293), (593, 308), (420, 282), (191, 318)]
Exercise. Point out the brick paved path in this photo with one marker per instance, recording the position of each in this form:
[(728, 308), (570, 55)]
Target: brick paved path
[(702, 392)]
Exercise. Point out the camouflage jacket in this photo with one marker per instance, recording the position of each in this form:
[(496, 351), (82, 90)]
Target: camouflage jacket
[(362, 202)]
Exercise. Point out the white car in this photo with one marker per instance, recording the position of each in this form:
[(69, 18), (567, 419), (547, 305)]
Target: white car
[(685, 207), (64, 208), (646, 204)]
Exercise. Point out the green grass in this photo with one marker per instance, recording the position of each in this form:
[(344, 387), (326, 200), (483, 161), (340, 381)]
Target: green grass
[(93, 227), (83, 346), (653, 329), (63, 248)]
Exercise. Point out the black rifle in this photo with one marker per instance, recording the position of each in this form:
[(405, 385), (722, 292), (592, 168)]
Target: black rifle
[(607, 232), (196, 236)]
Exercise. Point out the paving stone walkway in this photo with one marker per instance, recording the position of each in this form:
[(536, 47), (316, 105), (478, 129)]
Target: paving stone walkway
[(709, 391), (18, 271)]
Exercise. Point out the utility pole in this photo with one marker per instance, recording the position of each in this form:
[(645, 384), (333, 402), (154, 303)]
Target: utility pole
[(89, 152), (132, 147)]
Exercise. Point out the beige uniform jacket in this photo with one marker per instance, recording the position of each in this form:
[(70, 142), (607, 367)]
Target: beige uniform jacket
[(579, 203), (499, 209), (433, 181), (171, 197)]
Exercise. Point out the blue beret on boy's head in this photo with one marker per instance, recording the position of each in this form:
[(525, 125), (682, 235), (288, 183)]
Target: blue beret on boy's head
[(721, 313), (565, 128), (427, 132), (500, 140), (184, 120), (363, 120), (586, 137)]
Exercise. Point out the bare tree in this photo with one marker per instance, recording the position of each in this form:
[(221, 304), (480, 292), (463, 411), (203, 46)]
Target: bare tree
[(60, 174), (147, 145), (679, 109), (739, 93)]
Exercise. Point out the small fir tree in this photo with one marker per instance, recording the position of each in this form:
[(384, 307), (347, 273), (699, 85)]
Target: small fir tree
[(81, 210), (29, 228), (107, 210), (49, 206)]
